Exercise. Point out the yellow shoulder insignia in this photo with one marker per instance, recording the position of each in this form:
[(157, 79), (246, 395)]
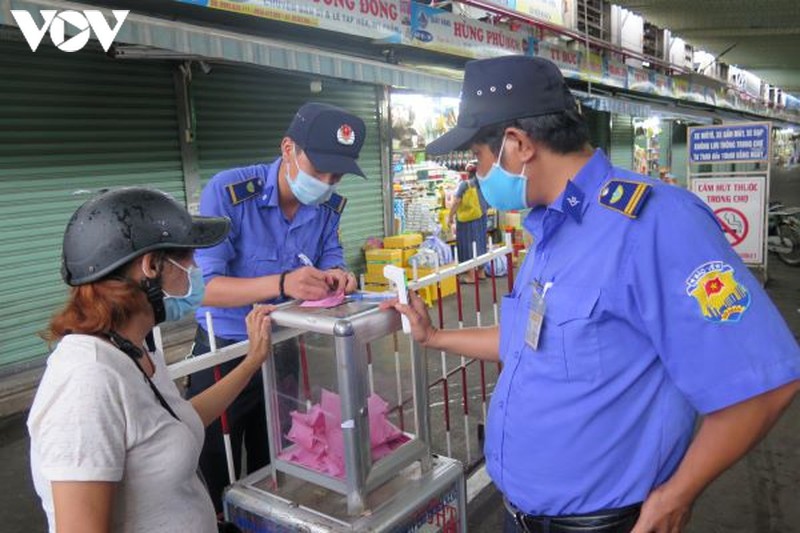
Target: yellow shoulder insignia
[(336, 203), (626, 197), (244, 190)]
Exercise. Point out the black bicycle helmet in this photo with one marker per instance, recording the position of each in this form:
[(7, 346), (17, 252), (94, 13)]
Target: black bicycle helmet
[(118, 226)]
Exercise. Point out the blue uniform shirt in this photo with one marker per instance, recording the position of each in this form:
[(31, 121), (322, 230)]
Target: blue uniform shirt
[(261, 241), (648, 321)]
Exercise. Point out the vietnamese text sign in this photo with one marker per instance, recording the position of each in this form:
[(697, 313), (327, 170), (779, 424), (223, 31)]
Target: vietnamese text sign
[(738, 204), (393, 21), (441, 31), (569, 61), (737, 143)]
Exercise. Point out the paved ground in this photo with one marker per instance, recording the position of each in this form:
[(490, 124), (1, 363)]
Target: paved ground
[(758, 495)]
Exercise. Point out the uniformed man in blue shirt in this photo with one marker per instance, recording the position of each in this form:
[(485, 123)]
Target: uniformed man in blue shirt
[(631, 315), (283, 243)]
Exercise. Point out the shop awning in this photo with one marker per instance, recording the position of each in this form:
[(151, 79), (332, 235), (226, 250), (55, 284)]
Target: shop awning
[(614, 105), (163, 39), (646, 108)]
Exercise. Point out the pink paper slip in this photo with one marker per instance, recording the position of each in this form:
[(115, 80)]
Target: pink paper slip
[(318, 438), (331, 300)]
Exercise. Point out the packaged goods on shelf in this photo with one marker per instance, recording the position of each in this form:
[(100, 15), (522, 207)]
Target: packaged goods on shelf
[(421, 217)]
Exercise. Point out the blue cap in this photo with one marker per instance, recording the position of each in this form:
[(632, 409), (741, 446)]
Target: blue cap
[(330, 137), (500, 90)]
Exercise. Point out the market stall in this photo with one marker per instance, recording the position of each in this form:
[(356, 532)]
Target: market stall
[(422, 186)]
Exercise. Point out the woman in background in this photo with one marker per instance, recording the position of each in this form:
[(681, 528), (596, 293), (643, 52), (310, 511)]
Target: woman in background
[(469, 211)]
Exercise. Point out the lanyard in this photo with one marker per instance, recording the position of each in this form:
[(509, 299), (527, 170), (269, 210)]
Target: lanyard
[(128, 348)]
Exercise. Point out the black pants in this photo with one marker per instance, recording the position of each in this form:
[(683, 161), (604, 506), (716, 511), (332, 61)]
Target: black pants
[(608, 521), (246, 415)]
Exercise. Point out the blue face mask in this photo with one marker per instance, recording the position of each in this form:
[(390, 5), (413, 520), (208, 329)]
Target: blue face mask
[(502, 189), (306, 188), (177, 307)]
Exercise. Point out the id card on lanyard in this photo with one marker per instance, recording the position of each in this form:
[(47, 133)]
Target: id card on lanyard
[(536, 310)]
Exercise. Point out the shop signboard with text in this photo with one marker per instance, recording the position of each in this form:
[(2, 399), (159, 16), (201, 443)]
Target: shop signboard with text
[(615, 73), (738, 203), (592, 67), (393, 21), (441, 31), (569, 61)]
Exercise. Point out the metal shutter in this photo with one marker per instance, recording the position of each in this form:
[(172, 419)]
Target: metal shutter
[(242, 114), (69, 124), (622, 141)]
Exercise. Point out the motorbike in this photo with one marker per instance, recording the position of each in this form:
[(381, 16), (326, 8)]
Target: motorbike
[(783, 232)]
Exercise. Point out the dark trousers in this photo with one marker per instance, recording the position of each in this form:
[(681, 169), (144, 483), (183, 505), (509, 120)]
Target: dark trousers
[(606, 521), (246, 415)]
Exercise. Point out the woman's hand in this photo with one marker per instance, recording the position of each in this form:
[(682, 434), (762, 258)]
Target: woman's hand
[(259, 333), (418, 318), (212, 402)]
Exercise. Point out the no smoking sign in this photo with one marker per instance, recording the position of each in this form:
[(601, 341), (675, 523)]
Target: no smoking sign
[(738, 203), (734, 223)]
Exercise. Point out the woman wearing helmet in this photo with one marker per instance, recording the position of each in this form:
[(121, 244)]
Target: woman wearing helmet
[(114, 447)]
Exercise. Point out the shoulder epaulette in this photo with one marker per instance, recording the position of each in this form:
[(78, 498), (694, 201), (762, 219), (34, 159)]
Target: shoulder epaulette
[(626, 197), (336, 203), (244, 190)]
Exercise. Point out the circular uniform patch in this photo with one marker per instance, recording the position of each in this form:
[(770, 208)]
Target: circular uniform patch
[(345, 135)]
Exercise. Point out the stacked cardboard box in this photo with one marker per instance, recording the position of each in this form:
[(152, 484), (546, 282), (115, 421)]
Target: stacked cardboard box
[(397, 250), (376, 260)]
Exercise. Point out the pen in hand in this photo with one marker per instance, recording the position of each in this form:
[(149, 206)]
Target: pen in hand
[(305, 260)]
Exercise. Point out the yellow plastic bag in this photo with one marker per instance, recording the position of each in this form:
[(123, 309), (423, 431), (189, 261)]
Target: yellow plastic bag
[(470, 207)]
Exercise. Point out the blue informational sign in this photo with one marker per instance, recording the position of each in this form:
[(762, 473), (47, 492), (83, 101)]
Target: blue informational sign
[(737, 143)]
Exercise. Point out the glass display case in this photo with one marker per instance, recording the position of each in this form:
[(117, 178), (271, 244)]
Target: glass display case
[(340, 433)]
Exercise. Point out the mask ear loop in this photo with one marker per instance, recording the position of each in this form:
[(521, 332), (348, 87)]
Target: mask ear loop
[(188, 277), (500, 153), (296, 163), (294, 156), (521, 175)]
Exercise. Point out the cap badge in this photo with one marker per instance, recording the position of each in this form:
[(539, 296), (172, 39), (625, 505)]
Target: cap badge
[(345, 135)]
